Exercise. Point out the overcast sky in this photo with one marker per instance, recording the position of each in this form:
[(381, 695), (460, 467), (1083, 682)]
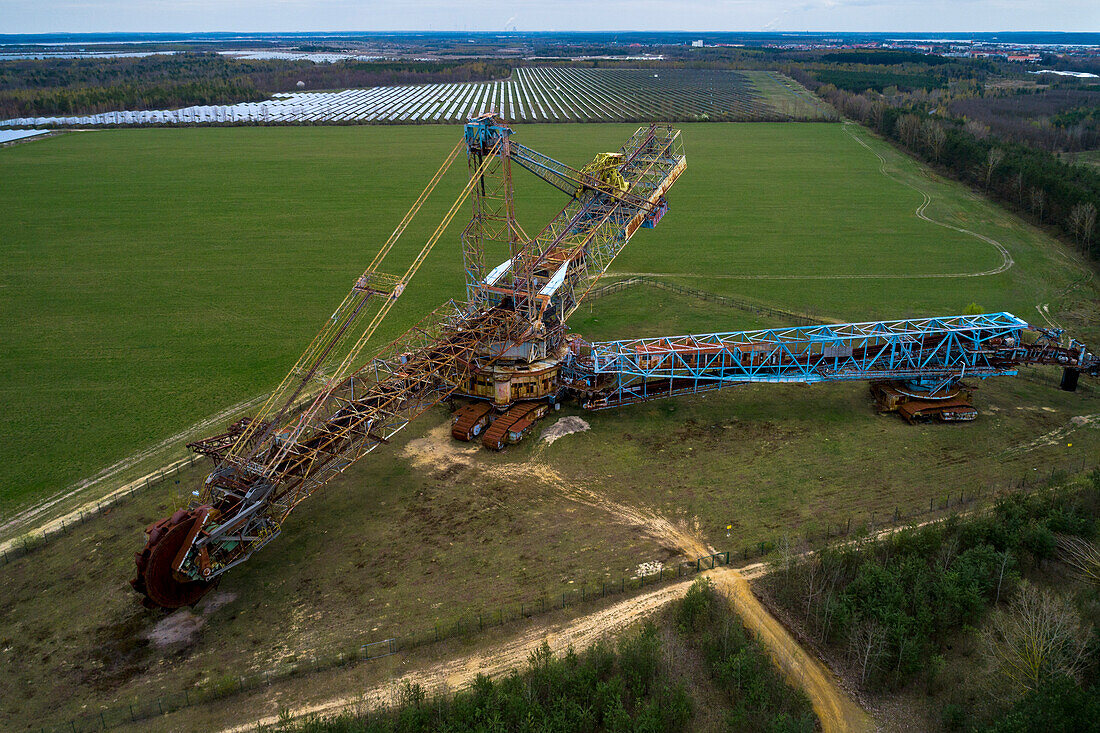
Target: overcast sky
[(45, 16)]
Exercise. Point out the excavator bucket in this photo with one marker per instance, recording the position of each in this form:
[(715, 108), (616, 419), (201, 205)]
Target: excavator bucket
[(156, 579)]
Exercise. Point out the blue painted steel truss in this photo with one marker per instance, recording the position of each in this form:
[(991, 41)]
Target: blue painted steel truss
[(934, 352)]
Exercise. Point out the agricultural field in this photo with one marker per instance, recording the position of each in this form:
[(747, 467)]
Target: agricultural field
[(159, 276), (238, 242), (558, 94)]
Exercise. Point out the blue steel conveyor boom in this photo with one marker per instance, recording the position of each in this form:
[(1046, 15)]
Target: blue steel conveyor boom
[(922, 360)]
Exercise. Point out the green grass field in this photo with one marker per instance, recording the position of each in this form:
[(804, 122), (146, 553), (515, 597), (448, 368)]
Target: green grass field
[(155, 276)]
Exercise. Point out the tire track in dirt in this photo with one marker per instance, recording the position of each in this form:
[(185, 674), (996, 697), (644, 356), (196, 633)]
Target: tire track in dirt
[(926, 200), (20, 522), (437, 451), (835, 708)]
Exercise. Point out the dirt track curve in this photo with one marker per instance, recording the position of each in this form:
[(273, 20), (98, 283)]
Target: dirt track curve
[(833, 706), (926, 200)]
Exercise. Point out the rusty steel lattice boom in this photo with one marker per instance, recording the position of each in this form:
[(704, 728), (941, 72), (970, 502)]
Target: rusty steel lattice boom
[(332, 409)]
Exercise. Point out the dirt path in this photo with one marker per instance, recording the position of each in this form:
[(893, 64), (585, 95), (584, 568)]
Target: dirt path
[(512, 654), (835, 708), (920, 212)]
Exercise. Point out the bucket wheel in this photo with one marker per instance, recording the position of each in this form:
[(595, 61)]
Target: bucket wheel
[(155, 578)]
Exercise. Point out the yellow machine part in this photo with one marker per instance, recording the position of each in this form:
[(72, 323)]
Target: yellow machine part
[(605, 167)]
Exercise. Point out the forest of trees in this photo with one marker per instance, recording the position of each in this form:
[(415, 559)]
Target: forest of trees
[(1063, 119), (35, 88), (893, 609)]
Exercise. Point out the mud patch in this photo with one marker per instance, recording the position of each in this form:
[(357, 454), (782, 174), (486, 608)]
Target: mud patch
[(121, 653), (215, 601), (565, 426)]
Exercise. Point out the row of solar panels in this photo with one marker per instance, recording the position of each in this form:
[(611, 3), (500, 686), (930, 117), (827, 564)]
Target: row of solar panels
[(532, 94)]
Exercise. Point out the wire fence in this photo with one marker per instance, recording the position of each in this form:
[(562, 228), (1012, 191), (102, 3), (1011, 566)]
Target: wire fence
[(23, 545), (950, 502), (798, 319)]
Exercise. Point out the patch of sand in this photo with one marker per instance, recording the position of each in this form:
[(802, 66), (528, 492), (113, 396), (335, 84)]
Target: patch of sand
[(565, 426)]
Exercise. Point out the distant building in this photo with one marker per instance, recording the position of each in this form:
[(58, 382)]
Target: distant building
[(696, 44)]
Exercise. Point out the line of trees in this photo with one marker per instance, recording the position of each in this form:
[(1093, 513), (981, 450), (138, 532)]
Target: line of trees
[(1063, 119), (33, 88)]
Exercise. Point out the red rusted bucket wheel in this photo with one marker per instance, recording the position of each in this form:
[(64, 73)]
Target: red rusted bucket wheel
[(155, 578)]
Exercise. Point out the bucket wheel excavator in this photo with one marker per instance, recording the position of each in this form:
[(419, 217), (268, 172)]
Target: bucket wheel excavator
[(506, 353)]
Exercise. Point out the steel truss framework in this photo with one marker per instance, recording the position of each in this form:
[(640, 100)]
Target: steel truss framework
[(554, 271), (332, 409), (937, 352)]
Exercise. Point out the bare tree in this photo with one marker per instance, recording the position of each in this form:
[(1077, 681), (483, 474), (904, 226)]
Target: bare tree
[(996, 155), (1038, 200), (934, 138), (1018, 184), (908, 129), (950, 547), (1082, 220), (977, 129), (1089, 223), (1081, 555), (866, 644), (878, 111), (1038, 635), (1001, 577)]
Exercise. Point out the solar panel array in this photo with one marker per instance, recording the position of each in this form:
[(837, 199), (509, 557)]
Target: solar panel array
[(554, 94), (7, 136)]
